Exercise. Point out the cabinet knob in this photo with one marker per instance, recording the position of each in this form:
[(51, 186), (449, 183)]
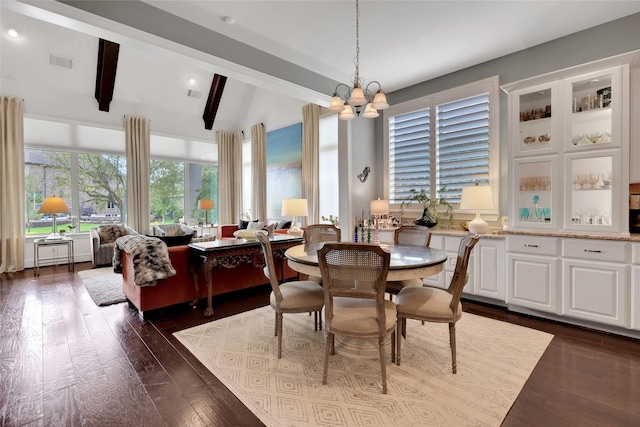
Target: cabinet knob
[(528, 245), (593, 251)]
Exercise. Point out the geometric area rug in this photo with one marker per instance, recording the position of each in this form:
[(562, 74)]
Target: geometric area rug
[(494, 361), (103, 285)]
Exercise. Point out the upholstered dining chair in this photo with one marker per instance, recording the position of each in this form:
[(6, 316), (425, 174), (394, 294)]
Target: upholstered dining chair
[(431, 304), (299, 296), (408, 235), (354, 277)]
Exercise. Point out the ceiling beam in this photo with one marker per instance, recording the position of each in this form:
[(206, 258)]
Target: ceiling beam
[(213, 101), (106, 72)]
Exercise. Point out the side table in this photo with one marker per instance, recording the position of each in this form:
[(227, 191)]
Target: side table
[(41, 243)]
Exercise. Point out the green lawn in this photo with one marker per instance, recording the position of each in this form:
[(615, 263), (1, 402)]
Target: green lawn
[(84, 227)]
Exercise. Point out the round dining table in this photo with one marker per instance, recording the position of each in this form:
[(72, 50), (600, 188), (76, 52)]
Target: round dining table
[(407, 261)]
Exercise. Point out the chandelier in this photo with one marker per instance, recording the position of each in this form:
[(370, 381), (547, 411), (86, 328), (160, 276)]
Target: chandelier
[(356, 99)]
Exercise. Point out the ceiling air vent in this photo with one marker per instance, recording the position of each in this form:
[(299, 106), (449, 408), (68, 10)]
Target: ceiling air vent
[(194, 93), (60, 61)]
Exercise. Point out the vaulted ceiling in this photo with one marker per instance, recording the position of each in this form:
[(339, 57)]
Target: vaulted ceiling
[(277, 55)]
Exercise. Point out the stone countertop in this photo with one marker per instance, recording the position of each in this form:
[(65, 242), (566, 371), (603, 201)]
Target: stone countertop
[(576, 235), (499, 235)]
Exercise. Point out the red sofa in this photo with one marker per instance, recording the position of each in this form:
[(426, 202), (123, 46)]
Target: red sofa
[(179, 288)]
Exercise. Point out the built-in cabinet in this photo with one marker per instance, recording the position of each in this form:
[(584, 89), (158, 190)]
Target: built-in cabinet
[(533, 273), (569, 143), (595, 280), (634, 296), (486, 269)]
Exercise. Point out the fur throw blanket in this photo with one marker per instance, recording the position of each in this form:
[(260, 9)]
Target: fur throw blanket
[(150, 258)]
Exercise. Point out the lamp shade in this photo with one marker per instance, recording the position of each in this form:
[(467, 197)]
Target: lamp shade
[(205, 204), (476, 197), (379, 207), (370, 112), (53, 205), (294, 207), (336, 104), (380, 101), (357, 98), (346, 113)]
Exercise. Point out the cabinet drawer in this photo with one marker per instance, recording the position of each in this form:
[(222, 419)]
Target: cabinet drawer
[(596, 250), (533, 245)]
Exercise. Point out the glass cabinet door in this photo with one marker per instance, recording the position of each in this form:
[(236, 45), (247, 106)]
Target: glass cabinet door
[(594, 110), (535, 120), (534, 193), (593, 191)]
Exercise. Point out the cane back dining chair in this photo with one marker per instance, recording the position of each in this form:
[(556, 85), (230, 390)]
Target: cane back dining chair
[(321, 233), (354, 277), (432, 304), (299, 296), (408, 235)]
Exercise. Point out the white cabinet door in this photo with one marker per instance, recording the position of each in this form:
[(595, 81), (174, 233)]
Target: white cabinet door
[(489, 269), (595, 291), (437, 280), (533, 282), (635, 297)]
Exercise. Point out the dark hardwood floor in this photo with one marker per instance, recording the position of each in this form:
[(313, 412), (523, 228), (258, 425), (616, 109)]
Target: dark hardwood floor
[(66, 362)]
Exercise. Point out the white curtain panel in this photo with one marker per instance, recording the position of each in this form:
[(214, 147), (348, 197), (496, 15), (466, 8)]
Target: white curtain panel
[(11, 185), (138, 146), (310, 161), (229, 177), (259, 171)]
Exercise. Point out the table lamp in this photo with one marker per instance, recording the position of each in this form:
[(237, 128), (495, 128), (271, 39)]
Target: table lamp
[(379, 207), (294, 208), (53, 205), (205, 205), (477, 198)]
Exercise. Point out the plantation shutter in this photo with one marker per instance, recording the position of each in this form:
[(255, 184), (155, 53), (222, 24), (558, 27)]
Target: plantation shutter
[(409, 154), (462, 145)]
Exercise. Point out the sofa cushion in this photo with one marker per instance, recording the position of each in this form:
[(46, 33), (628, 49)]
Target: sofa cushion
[(157, 231), (283, 225), (109, 233), (255, 225), (176, 240), (242, 224), (270, 229)]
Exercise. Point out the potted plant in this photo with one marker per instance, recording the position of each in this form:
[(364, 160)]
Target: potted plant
[(429, 217)]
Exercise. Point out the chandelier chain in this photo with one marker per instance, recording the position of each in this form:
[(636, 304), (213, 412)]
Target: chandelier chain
[(357, 77)]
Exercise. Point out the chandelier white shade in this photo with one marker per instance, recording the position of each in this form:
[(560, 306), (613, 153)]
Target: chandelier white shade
[(357, 99), (477, 198)]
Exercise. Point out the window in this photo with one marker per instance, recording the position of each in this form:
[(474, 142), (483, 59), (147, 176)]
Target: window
[(327, 161), (443, 142)]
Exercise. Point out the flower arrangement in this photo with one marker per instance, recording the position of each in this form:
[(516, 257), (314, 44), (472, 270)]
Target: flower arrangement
[(332, 219)]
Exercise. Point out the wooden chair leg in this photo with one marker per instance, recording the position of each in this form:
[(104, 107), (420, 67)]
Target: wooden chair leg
[(328, 346), (393, 346), (398, 339), (452, 343), (279, 335), (275, 325), (383, 365)]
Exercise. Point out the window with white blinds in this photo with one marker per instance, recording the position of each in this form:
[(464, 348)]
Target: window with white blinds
[(444, 141), (462, 145), (409, 153)]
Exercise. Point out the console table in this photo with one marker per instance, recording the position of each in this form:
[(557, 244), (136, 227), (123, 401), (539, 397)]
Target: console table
[(230, 253), (40, 243)]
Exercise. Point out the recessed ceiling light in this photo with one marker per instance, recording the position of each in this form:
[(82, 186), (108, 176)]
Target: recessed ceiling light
[(13, 33), (594, 81), (229, 20), (192, 81)]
